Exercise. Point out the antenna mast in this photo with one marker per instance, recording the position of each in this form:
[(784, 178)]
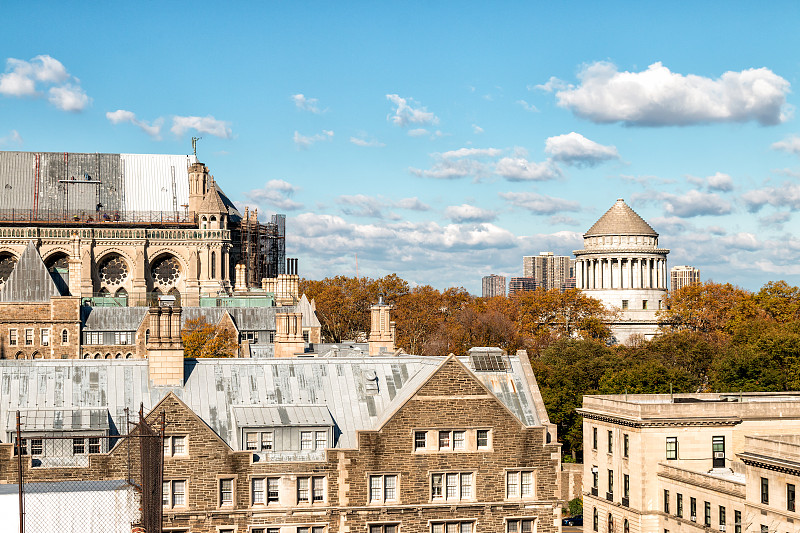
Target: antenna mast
[(194, 144)]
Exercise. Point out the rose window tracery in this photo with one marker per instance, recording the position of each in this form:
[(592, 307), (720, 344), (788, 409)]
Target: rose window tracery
[(113, 270), (7, 264), (166, 271)]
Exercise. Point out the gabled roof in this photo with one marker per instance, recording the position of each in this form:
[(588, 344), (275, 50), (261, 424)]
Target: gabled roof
[(30, 281), (620, 220), (310, 319), (212, 202)]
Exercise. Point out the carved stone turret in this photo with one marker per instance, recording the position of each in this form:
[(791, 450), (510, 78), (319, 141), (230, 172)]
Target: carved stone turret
[(164, 346), (289, 334), (382, 329)]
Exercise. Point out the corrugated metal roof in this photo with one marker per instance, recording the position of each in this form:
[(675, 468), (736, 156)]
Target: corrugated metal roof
[(245, 318), (29, 281), (282, 415), (59, 419), (149, 178), (73, 485), (112, 318)]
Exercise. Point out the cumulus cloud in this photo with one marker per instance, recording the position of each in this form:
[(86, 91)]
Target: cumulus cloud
[(785, 195), (775, 220), (361, 205), (306, 104), (575, 149), (563, 220), (406, 113), (720, 182), (121, 115), (30, 78), (305, 141), (659, 97), (539, 203), (472, 152), (742, 241), (366, 142), (694, 203), (276, 193), (469, 213), (553, 84), (12, 139), (520, 169), (459, 163), (790, 144), (207, 124), (527, 107), (476, 129), (412, 204)]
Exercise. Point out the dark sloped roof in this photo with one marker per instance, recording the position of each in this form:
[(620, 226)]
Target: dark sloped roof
[(213, 203), (620, 220), (30, 281)]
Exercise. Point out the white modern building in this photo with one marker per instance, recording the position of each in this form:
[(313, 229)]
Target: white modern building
[(682, 275), (622, 266)]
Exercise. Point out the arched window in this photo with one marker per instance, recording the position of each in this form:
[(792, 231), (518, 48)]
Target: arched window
[(204, 223), (626, 527), (64, 336), (19, 355), (213, 265), (86, 356), (610, 523), (118, 356), (128, 356), (147, 336), (36, 355), (97, 356)]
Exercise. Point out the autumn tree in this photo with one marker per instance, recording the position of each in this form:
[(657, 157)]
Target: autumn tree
[(707, 307), (203, 339)]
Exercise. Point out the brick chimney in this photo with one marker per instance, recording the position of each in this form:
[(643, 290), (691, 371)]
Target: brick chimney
[(382, 329), (289, 334), (164, 349), (240, 283)]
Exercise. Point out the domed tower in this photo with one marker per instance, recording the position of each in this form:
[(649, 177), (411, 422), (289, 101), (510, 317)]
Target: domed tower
[(622, 266)]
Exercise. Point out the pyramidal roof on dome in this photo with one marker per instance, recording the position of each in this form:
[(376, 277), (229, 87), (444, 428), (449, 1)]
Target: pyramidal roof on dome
[(212, 203), (620, 220), (29, 281)]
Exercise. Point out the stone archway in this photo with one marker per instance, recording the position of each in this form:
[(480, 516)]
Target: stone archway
[(7, 263)]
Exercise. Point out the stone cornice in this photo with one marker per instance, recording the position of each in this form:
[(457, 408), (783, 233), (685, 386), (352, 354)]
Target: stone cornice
[(632, 251), (770, 463), (657, 422)]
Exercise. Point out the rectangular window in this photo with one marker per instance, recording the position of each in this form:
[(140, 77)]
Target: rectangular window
[(483, 438), (165, 493), (737, 522), (764, 490), (420, 438), (13, 337), (258, 491), (452, 527), (179, 445), (272, 489), (444, 440), (45, 333), (36, 446), (375, 488), (519, 484), (624, 304), (303, 491), (226, 491), (519, 526), (318, 489), (383, 528), (78, 446), (311, 529), (679, 506), (390, 488), (693, 509), (310, 489), (764, 528), (626, 486), (94, 445), (452, 486), (722, 516), (594, 438), (672, 448), (29, 337), (458, 440), (666, 501), (321, 440), (644, 304), (250, 441), (707, 514), (595, 477), (625, 445), (306, 440), (718, 452), (175, 493), (789, 497), (610, 442), (267, 440)]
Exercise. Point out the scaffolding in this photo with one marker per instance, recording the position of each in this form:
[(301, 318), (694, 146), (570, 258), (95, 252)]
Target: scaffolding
[(262, 247)]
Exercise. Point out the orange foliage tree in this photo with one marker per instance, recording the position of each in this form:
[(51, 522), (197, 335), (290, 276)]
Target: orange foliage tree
[(203, 339)]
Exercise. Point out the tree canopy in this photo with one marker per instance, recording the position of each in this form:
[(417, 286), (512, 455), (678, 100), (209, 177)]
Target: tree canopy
[(203, 339)]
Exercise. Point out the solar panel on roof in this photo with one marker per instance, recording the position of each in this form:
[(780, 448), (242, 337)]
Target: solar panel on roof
[(488, 363)]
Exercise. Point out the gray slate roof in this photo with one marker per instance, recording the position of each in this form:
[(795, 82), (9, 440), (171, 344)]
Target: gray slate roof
[(214, 387), (129, 318), (620, 220), (282, 415), (29, 281)]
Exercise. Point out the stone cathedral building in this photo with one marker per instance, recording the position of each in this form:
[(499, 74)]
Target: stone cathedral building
[(622, 266), (130, 227)]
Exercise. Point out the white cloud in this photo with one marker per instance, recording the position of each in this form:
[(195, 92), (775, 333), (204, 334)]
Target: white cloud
[(575, 149), (305, 141), (361, 205), (449, 169), (418, 132), (469, 213), (520, 169), (659, 97), (694, 203), (563, 220), (472, 152), (64, 92), (476, 129), (790, 144), (742, 241), (412, 204), (207, 124), (786, 195), (306, 104), (121, 115), (12, 139), (553, 84), (775, 220), (366, 142), (720, 182), (276, 193), (527, 107), (405, 113), (539, 203)]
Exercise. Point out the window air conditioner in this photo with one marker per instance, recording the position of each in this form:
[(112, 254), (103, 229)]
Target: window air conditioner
[(722, 527), (694, 518), (719, 455)]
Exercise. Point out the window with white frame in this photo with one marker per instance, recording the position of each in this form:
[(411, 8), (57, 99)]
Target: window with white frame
[(306, 440), (383, 528), (94, 444), (444, 440), (321, 439), (311, 529), (250, 441), (93, 337), (45, 334), (273, 495), (420, 440), (64, 336), (78, 446), (452, 486), (672, 448), (265, 530), (459, 440), (519, 525), (226, 491), (267, 440), (175, 445), (482, 437), (452, 527), (257, 491), (37, 446), (174, 493), (123, 337), (29, 337), (519, 484), (383, 488), (13, 337), (310, 489)]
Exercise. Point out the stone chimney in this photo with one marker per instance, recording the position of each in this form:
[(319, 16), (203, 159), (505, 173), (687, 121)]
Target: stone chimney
[(382, 329), (164, 349), (287, 286), (240, 283), (289, 334), (75, 264)]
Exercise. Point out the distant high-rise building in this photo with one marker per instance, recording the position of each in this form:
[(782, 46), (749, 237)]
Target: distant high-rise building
[(549, 271), (494, 285), (521, 284), (683, 275)]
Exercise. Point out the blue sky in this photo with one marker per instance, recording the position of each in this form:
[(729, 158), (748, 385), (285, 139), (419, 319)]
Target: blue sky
[(442, 141)]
